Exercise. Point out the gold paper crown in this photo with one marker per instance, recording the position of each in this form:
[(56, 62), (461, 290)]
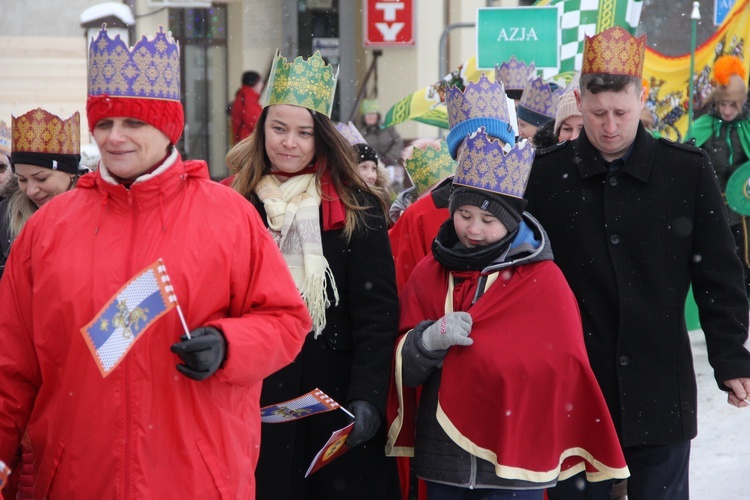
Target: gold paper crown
[(5, 139), (429, 166), (614, 51), (307, 83), (483, 164), (39, 131)]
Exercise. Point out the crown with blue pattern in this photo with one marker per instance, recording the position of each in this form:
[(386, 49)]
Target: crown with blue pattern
[(480, 104), (309, 83), (351, 133), (483, 164), (515, 74), (538, 103), (151, 69)]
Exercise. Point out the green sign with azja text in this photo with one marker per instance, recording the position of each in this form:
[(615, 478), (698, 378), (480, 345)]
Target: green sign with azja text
[(532, 34)]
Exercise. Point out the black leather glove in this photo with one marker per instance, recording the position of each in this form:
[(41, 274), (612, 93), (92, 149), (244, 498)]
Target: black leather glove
[(366, 422), (202, 354)]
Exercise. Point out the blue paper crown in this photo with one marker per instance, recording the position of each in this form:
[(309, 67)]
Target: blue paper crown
[(484, 165), (151, 69), (538, 103), (514, 73), (481, 104)]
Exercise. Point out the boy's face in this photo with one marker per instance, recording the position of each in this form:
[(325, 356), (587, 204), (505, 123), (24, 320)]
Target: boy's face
[(476, 227), (729, 110)]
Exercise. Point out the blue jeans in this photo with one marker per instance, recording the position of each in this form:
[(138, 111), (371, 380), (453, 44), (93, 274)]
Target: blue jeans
[(437, 491)]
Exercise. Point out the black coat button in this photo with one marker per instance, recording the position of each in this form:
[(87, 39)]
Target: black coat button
[(624, 361), (612, 181), (614, 239)]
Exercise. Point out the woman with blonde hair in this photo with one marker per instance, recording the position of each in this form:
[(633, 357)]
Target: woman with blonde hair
[(301, 175), (45, 164)]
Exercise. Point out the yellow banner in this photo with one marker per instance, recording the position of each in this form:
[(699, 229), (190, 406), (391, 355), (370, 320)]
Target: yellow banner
[(668, 77)]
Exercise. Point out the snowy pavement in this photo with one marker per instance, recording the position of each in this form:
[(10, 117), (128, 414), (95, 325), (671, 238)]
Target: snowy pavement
[(720, 456)]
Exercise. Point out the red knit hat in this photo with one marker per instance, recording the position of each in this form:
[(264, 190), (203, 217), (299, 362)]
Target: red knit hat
[(141, 83), (167, 116)]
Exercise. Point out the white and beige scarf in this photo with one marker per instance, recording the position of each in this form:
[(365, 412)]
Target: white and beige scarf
[(294, 222)]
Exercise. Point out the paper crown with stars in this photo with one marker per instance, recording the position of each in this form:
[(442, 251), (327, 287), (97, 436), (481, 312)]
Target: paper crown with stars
[(5, 139), (429, 166), (538, 103), (309, 83), (142, 82), (614, 51), (480, 104), (515, 74), (43, 139), (484, 165)]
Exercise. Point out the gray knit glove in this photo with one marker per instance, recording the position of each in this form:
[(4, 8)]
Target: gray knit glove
[(452, 329)]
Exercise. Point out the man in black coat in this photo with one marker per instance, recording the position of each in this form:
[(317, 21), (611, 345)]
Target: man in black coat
[(633, 221)]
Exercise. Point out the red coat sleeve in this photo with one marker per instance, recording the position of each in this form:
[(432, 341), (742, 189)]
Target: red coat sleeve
[(268, 320)]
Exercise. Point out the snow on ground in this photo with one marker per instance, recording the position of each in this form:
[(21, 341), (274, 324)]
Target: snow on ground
[(720, 456)]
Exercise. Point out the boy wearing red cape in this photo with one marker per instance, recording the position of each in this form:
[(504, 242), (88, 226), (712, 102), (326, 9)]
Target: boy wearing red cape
[(492, 335)]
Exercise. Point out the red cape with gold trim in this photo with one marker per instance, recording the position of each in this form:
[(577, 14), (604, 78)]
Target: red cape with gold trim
[(523, 396)]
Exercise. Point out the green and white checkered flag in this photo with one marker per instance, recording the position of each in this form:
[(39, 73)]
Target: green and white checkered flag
[(589, 17)]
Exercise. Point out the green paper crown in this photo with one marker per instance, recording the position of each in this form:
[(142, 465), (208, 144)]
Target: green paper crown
[(429, 166), (307, 83), (369, 106)]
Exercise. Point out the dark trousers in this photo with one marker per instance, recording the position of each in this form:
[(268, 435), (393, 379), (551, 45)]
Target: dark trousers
[(741, 234), (656, 473), (437, 491)]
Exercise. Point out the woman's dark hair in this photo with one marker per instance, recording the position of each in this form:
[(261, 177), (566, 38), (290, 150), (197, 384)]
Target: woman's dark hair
[(249, 160), (605, 82)]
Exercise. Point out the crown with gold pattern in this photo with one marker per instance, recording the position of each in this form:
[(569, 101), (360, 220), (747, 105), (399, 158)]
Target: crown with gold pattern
[(429, 166), (39, 131), (151, 69), (614, 51), (515, 74), (5, 139), (484, 165), (307, 83), (351, 133), (480, 104)]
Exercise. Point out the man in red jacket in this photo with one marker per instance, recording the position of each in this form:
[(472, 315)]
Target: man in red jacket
[(89, 329), (246, 107)]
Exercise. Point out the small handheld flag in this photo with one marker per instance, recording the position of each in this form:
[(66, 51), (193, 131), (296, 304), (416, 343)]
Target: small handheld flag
[(4, 473), (334, 448), (130, 312), (315, 401)]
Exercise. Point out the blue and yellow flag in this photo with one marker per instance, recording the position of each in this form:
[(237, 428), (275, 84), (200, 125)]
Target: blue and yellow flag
[(127, 315)]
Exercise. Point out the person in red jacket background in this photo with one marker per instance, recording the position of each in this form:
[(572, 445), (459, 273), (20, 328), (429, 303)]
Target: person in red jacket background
[(246, 107), (116, 402)]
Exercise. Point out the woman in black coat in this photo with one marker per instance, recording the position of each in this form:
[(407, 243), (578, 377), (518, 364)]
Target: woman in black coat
[(293, 154)]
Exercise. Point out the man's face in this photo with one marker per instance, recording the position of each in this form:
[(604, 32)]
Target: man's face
[(611, 119)]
